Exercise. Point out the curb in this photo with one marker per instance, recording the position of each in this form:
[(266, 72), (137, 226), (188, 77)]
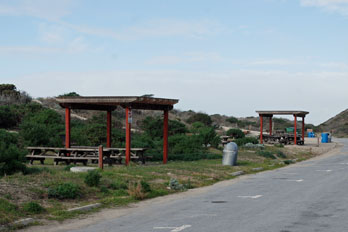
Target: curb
[(257, 169), (85, 208), (237, 173), (22, 222)]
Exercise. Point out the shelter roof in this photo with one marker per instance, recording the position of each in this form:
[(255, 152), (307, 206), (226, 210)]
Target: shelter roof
[(111, 102), (282, 112)]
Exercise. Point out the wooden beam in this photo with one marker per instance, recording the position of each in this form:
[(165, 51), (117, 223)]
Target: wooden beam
[(128, 135), (165, 136), (108, 128)]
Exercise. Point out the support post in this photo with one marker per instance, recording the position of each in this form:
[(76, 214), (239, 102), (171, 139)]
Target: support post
[(165, 136), (295, 130), (67, 127), (128, 135), (261, 128), (303, 128), (100, 160), (108, 128), (270, 125)]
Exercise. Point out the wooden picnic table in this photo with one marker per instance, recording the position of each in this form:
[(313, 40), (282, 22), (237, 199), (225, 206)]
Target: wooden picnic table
[(83, 154)]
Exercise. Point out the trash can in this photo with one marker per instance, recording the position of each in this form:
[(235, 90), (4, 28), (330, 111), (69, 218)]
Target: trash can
[(230, 154), (324, 137)]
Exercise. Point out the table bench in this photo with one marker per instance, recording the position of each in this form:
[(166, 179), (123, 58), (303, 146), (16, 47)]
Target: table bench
[(83, 154)]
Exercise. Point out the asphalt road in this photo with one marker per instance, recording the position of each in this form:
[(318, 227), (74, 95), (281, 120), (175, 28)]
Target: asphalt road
[(309, 196)]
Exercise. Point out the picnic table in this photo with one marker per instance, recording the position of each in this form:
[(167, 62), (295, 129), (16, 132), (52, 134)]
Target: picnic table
[(83, 154)]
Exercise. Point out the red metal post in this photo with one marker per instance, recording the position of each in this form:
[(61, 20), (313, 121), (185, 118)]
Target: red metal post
[(261, 128), (67, 127), (270, 125), (295, 129), (303, 128), (108, 128), (100, 160), (128, 136), (165, 137)]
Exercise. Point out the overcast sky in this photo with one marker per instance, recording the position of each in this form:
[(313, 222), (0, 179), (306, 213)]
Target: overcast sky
[(229, 57)]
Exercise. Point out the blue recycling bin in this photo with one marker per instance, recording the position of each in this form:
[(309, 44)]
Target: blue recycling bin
[(324, 137)]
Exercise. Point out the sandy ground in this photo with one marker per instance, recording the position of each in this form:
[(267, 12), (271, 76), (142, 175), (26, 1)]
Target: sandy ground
[(311, 144)]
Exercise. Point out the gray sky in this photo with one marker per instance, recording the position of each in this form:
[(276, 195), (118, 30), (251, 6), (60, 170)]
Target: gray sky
[(225, 57)]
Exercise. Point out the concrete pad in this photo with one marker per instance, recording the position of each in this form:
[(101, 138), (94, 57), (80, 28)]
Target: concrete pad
[(82, 169)]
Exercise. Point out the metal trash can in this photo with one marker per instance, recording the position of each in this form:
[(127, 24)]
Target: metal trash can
[(230, 154)]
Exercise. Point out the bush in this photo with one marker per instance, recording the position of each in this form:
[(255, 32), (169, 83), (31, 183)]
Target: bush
[(187, 157), (93, 178), (12, 158), (145, 186), (245, 140), (42, 128), (185, 144), (235, 133), (8, 118), (136, 191), (33, 207), (281, 154), (232, 120), (118, 184), (266, 154), (200, 117), (64, 191)]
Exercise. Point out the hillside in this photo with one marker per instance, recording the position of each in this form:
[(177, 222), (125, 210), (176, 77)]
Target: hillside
[(338, 124)]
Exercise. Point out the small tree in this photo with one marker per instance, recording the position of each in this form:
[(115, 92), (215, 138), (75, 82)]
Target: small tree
[(200, 117), (235, 133)]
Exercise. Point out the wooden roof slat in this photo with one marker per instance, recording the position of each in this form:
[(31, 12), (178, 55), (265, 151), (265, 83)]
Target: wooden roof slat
[(282, 112), (111, 102)]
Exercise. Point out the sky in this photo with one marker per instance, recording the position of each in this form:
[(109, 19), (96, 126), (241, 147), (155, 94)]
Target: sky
[(229, 57)]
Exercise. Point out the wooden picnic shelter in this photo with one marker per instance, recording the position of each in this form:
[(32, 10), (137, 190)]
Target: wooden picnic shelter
[(270, 113), (109, 104)]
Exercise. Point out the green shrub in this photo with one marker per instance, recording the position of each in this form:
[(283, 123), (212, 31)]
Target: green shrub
[(35, 170), (7, 210), (67, 168), (235, 133), (281, 154), (145, 186), (200, 117), (12, 158), (232, 120), (42, 128), (93, 178), (245, 140), (266, 154), (118, 184), (64, 191), (288, 162), (33, 207), (187, 157), (279, 145), (104, 189), (8, 118)]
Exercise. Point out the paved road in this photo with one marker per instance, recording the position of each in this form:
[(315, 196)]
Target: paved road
[(310, 196)]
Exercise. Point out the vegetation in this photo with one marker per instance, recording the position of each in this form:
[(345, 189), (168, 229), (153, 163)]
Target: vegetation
[(200, 117), (93, 178), (235, 133), (12, 158), (57, 189), (65, 190)]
